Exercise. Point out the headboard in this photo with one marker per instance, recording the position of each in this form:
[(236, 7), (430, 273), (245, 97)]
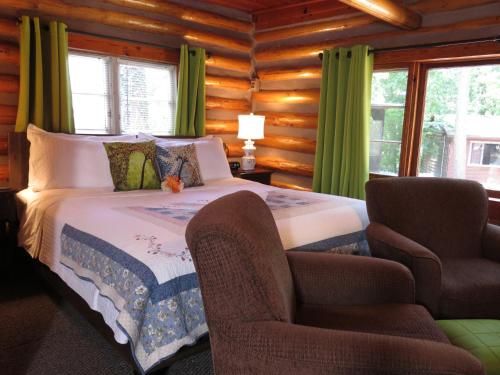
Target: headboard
[(18, 160), (19, 150)]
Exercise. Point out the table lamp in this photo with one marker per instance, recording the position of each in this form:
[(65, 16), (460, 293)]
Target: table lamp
[(250, 127)]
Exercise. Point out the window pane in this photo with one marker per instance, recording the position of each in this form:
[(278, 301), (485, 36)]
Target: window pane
[(387, 115), (90, 85), (147, 98), (461, 132)]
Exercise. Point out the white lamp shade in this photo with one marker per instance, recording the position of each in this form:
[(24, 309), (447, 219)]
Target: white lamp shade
[(251, 126)]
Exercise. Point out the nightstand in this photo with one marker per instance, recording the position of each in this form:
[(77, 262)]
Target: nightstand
[(258, 175), (8, 225)]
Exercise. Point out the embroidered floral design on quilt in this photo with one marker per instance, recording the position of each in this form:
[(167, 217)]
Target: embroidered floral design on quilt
[(156, 248)]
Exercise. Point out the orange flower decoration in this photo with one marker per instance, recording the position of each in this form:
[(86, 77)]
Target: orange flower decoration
[(173, 184)]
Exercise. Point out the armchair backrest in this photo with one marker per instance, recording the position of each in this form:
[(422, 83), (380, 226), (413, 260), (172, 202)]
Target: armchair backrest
[(240, 261), (448, 216)]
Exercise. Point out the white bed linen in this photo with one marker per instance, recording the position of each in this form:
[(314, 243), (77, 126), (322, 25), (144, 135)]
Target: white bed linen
[(47, 211)]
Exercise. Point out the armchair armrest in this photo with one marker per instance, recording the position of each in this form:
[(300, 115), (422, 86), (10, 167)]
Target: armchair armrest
[(282, 348), (423, 263), (491, 242), (321, 278)]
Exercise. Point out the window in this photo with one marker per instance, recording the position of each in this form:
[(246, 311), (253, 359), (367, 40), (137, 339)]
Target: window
[(484, 154), (112, 95), (461, 125), (387, 116)]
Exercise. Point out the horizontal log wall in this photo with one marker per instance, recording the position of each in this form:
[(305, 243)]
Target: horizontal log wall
[(289, 71), (135, 30)]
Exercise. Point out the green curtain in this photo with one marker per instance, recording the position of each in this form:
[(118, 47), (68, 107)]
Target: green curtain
[(45, 89), (190, 115), (342, 151)]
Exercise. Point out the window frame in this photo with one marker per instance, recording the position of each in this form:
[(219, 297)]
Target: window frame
[(114, 82), (471, 164)]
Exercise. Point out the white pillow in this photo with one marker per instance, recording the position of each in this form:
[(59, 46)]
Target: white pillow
[(209, 151), (69, 161)]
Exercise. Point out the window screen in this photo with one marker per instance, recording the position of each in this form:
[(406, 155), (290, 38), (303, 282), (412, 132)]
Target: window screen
[(91, 87), (147, 98)]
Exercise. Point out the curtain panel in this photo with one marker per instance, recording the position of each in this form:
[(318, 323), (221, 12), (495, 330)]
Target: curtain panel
[(45, 89), (190, 114), (341, 164)]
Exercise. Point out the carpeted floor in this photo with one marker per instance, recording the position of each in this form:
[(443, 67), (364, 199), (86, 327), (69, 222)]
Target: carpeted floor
[(41, 333)]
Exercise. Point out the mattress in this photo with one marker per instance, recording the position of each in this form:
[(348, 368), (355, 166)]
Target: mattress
[(124, 253)]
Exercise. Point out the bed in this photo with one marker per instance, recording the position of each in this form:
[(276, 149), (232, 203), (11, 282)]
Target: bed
[(124, 253)]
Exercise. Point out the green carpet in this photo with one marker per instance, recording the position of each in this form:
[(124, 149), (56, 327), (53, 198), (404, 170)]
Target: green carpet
[(481, 337)]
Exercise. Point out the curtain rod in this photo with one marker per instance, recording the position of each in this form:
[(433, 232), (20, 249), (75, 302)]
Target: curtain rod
[(437, 44)]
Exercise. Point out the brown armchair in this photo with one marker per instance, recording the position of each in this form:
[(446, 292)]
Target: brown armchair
[(438, 228), (307, 313)]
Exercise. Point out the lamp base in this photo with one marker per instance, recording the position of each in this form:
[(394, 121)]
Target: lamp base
[(248, 163)]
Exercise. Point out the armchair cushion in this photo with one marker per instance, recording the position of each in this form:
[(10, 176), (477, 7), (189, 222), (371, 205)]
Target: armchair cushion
[(389, 319), (471, 287), (322, 278), (280, 348), (424, 264), (491, 242)]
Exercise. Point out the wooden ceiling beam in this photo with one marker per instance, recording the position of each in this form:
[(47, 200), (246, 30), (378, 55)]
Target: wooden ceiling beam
[(64, 11), (185, 13), (388, 11), (437, 6)]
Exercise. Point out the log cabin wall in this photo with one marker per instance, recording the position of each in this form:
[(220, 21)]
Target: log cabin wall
[(289, 70), (149, 30)]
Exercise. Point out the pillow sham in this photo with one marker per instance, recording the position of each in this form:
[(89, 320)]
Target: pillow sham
[(132, 165), (58, 160), (209, 151), (181, 162)]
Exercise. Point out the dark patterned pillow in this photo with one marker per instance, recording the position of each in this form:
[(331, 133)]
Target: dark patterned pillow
[(179, 161), (133, 165)]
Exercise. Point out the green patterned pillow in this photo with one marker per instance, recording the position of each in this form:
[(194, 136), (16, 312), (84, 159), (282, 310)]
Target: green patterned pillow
[(181, 162), (132, 165)]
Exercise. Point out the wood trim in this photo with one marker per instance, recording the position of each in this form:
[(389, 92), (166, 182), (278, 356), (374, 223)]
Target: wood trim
[(388, 11), (297, 144), (494, 211), (418, 120), (289, 97), (294, 120), (213, 102), (315, 28), (185, 13), (221, 126), (311, 50), (493, 193), (227, 82), (121, 48), (407, 141), (9, 53), (286, 166), (57, 8), (9, 84), (309, 72), (285, 185)]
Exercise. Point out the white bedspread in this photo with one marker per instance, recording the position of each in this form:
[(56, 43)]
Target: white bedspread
[(150, 227)]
